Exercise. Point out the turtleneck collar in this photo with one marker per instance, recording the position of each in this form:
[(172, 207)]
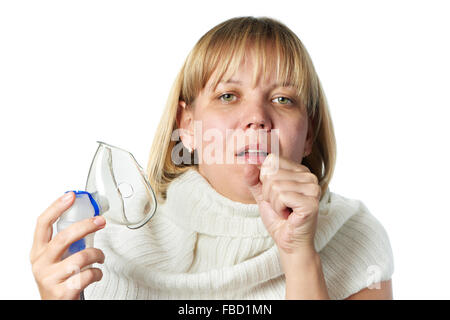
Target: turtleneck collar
[(193, 187), (193, 204)]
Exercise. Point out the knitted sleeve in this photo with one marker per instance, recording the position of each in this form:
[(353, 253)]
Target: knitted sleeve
[(358, 256)]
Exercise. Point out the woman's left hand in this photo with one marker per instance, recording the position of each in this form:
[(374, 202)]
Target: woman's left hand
[(288, 195)]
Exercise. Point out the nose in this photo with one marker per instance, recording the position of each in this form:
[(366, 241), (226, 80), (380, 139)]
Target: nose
[(257, 124), (257, 117)]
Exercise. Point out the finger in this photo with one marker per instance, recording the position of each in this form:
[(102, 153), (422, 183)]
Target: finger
[(61, 242), (286, 174), (301, 215), (272, 163), (280, 186), (286, 198), (271, 219), (72, 287), (79, 261), (280, 207), (300, 204), (44, 230), (268, 215), (272, 197)]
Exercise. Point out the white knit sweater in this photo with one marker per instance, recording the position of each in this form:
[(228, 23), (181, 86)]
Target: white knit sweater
[(202, 245)]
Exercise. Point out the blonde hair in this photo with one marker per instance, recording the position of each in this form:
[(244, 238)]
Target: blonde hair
[(221, 49)]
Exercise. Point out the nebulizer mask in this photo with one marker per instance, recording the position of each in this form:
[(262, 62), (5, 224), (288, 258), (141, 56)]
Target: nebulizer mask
[(117, 189)]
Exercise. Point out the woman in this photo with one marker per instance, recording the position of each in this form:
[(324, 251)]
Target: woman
[(248, 220)]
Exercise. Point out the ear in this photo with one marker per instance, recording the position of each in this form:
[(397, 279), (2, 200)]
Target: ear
[(185, 122)]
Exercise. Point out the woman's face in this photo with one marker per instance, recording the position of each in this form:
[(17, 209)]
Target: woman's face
[(236, 115)]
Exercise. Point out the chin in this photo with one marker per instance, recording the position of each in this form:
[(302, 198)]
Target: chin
[(241, 193), (228, 181)]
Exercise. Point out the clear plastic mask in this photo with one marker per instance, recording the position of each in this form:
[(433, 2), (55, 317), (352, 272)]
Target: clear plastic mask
[(118, 184)]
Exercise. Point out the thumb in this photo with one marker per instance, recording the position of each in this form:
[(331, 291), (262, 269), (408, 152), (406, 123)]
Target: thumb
[(251, 178), (269, 217)]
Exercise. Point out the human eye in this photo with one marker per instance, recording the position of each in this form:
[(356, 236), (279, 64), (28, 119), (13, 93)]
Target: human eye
[(284, 100), (227, 97)]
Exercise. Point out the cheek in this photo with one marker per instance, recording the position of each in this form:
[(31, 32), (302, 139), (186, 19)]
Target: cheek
[(211, 130), (292, 140)]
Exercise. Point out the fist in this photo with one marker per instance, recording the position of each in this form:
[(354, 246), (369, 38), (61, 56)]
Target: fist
[(288, 196)]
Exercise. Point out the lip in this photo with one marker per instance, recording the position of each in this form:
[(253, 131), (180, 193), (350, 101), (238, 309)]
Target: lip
[(257, 147), (253, 159)]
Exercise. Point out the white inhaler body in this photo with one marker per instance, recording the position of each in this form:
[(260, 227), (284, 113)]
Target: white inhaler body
[(83, 207)]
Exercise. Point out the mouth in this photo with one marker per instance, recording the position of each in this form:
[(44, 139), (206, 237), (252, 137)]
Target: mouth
[(252, 154)]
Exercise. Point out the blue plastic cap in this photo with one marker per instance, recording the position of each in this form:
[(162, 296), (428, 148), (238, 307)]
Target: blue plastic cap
[(93, 202)]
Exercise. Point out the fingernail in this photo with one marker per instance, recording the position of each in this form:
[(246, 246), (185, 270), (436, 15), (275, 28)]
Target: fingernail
[(268, 160), (99, 221), (67, 197)]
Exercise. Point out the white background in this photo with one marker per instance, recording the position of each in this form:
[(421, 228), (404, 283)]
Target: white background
[(73, 72)]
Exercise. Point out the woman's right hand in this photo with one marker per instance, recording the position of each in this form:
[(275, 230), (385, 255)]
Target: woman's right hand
[(64, 279)]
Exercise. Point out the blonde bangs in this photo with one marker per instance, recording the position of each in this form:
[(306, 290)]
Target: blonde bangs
[(220, 52)]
